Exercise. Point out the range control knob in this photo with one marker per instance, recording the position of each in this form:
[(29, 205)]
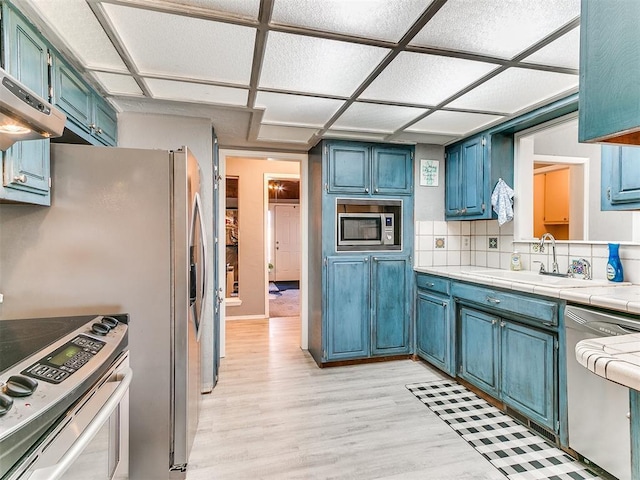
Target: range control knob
[(100, 328), (110, 322), (20, 386), (6, 402)]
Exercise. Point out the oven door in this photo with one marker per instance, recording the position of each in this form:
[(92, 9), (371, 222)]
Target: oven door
[(92, 441)]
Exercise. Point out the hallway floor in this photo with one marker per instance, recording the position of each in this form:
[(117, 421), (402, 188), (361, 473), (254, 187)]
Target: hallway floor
[(275, 415)]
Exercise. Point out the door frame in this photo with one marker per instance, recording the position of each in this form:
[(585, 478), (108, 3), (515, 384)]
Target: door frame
[(267, 178), (302, 158)]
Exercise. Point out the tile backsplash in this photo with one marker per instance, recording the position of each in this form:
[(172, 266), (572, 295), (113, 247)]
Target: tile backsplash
[(483, 243)]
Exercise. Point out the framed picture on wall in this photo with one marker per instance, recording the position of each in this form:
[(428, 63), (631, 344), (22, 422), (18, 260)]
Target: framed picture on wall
[(429, 172)]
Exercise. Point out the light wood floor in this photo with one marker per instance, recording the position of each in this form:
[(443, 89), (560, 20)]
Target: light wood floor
[(275, 415)]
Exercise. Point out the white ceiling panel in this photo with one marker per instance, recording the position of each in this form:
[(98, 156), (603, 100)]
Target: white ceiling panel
[(516, 89), (195, 92), (564, 52), (243, 8), (498, 28), (367, 136), (296, 109), (164, 44), (76, 25), (116, 84), (376, 118), (456, 123), (428, 138), (315, 65), (277, 133), (378, 19), (425, 79)]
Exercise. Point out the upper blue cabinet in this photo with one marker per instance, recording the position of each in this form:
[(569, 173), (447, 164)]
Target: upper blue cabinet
[(609, 72), (472, 168), (368, 169), (25, 166), (620, 178), (88, 114)]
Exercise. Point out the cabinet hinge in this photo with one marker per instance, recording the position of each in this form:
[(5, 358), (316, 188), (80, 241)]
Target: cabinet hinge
[(51, 92), (49, 182), (326, 187), (484, 141), (411, 155), (557, 426), (325, 261), (557, 344), (49, 59), (608, 193), (483, 207), (326, 149)]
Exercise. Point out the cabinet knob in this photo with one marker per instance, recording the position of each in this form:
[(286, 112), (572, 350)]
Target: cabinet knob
[(495, 301), (493, 321), (20, 178), (502, 324), (366, 190), (463, 211), (98, 130), (376, 190), (92, 126)]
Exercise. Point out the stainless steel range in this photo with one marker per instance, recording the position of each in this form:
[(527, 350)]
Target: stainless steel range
[(64, 385)]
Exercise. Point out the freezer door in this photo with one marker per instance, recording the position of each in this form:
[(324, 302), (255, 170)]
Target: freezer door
[(188, 266)]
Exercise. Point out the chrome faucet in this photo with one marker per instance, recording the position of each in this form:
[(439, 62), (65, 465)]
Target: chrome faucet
[(554, 265)]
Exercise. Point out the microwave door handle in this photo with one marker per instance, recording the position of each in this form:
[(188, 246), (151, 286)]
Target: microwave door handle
[(57, 471)]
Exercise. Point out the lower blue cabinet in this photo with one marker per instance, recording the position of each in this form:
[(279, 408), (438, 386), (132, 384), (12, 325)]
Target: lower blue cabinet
[(367, 306), (433, 330), (527, 372), (390, 305), (480, 350), (347, 308), (512, 362)]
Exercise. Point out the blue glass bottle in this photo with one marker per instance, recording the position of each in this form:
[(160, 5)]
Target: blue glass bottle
[(614, 266)]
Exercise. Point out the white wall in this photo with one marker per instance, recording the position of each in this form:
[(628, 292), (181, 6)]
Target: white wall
[(170, 132), (429, 201)]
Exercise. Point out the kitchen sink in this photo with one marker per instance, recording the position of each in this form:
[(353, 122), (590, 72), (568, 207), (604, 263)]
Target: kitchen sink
[(525, 276)]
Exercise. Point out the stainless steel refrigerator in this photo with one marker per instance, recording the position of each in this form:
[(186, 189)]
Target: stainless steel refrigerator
[(124, 233)]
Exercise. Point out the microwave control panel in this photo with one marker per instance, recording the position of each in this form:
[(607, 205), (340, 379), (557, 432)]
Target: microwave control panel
[(387, 230)]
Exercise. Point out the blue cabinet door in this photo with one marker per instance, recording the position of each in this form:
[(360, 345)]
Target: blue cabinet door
[(433, 333), (347, 308), (349, 168), (620, 167), (390, 305), (392, 171), (464, 179), (26, 164), (480, 350), (528, 372), (71, 95), (105, 122)]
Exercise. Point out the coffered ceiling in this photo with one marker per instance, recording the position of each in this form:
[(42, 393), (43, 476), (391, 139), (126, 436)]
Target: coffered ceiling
[(281, 74)]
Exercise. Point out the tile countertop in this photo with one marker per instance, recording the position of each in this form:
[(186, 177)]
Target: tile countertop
[(621, 297), (615, 358)]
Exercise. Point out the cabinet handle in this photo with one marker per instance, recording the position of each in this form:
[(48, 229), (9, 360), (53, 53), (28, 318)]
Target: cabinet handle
[(20, 178), (431, 284), (463, 211), (493, 300)]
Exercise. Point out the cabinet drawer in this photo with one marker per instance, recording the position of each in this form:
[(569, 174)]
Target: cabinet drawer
[(432, 283), (508, 304)]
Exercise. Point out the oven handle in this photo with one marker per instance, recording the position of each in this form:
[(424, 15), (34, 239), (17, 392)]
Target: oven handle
[(55, 472)]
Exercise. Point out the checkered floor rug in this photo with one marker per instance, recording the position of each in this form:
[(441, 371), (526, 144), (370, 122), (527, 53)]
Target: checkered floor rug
[(512, 448)]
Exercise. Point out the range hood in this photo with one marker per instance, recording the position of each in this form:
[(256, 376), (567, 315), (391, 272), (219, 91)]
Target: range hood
[(24, 115)]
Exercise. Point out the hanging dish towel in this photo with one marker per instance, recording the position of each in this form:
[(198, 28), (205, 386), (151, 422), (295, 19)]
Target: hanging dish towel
[(501, 201)]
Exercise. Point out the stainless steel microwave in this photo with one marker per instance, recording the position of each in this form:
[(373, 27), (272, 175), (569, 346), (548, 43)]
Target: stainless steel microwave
[(356, 229)]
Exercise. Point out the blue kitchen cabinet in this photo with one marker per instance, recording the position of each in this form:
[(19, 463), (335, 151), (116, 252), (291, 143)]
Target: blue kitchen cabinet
[(433, 332), (620, 177), (480, 350), (527, 366), (88, 114), (392, 170), (368, 169), (348, 285), (25, 165), (464, 179), (390, 305), (609, 72), (349, 168)]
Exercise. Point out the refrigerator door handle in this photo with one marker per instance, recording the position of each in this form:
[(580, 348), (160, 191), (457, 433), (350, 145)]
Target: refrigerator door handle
[(197, 216)]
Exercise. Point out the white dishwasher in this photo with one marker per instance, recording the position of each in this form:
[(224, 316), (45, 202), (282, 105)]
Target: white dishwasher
[(597, 408)]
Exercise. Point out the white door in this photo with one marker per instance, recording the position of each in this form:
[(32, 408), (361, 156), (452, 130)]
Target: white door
[(287, 242)]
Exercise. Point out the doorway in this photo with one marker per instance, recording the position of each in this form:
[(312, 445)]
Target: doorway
[(283, 245)]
